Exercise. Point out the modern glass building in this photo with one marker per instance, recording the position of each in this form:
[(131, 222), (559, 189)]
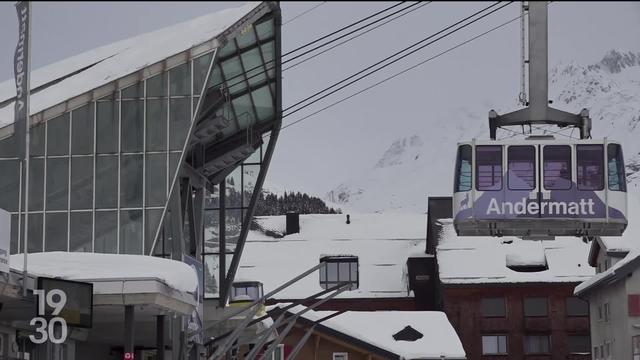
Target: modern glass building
[(156, 145)]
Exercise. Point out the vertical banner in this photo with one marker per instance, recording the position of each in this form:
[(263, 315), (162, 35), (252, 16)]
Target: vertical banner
[(196, 320), (21, 73), (5, 241)]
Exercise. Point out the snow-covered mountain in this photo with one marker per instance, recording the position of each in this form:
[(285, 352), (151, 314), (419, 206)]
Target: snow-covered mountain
[(421, 164)]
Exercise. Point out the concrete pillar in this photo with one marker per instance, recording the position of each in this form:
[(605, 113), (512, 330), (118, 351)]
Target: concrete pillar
[(129, 321), (160, 337)]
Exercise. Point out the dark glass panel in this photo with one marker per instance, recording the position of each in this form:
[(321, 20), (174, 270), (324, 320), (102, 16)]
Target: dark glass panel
[(131, 181), (536, 344), (179, 122), (246, 38), (156, 125), (81, 232), (211, 231), (577, 307), (488, 167), (615, 168), (232, 228), (234, 188), (590, 164), (57, 183), (536, 307), (215, 80), (232, 69), (557, 167), (268, 53), (463, 169), (244, 110), (212, 200), (249, 179), (133, 92), (36, 140), (521, 165), (265, 29), (132, 126), (82, 130), (581, 344), (152, 221), (107, 127), (493, 307), (131, 232), (8, 147), (157, 85), (106, 182), (56, 232), (106, 232), (34, 243), (180, 80), (81, 183), (200, 69), (14, 247), (227, 49), (252, 62), (9, 184), (263, 103), (36, 184), (58, 135), (156, 179)]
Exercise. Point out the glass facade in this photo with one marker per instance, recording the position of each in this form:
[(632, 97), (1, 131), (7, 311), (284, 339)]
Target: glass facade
[(103, 175)]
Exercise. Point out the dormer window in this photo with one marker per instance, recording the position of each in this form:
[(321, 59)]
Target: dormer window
[(339, 269), (246, 291)]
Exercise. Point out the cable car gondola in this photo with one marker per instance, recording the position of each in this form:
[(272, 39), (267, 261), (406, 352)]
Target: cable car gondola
[(540, 187)]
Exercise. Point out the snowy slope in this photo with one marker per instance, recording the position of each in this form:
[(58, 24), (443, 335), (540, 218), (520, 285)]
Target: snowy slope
[(421, 164)]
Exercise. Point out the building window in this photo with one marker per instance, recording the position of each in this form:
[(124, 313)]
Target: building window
[(579, 344), (606, 312), (607, 264), (494, 344), (577, 306), (493, 307), (535, 307), (615, 168), (488, 167), (635, 343), (607, 350), (536, 344), (634, 304), (338, 270), (600, 312), (341, 356)]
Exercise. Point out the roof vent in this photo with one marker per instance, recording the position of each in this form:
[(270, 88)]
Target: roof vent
[(408, 334)]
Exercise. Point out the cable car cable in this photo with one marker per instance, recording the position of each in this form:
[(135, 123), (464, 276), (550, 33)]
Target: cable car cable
[(303, 13), (393, 61), (398, 74)]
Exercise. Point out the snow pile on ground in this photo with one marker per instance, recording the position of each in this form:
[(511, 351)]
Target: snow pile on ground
[(382, 243), (93, 266), (378, 327)]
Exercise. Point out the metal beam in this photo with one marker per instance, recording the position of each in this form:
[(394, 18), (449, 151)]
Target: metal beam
[(236, 333), (538, 61), (160, 337), (235, 262), (222, 245)]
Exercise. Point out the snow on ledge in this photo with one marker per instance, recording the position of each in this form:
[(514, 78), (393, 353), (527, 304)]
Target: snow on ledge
[(93, 266)]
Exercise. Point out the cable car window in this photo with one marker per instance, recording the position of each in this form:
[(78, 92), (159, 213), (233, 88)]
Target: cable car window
[(463, 169), (615, 168), (521, 167), (489, 167), (557, 167), (590, 160)]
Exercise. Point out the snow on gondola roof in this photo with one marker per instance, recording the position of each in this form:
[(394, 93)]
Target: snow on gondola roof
[(382, 243), (484, 259), (79, 74)]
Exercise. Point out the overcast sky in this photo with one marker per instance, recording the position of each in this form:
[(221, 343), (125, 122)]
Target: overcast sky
[(322, 151)]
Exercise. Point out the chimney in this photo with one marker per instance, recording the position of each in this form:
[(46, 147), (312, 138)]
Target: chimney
[(348, 219), (293, 223)]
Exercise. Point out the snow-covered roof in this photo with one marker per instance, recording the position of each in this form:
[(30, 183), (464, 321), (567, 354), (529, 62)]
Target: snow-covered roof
[(95, 68), (382, 243), (480, 259), (629, 241), (378, 327), (96, 267)]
